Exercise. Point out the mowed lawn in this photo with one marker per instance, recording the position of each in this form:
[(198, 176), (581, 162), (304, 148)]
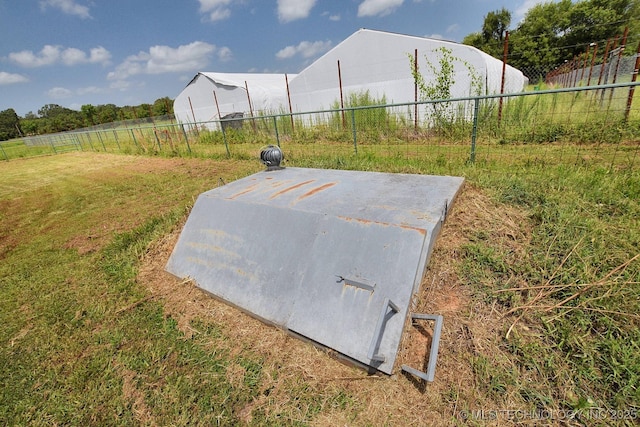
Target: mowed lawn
[(536, 272)]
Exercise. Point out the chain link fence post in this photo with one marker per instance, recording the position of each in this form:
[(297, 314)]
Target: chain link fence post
[(474, 132)]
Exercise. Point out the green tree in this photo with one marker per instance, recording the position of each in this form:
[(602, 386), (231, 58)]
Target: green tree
[(89, 113), (441, 78), (537, 40), (496, 25), (494, 28), (143, 111), (597, 20), (554, 32), (107, 113), (127, 113), (9, 124), (162, 107), (475, 40), (29, 126), (54, 118)]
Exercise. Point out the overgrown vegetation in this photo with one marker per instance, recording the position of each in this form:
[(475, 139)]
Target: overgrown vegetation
[(576, 283), (444, 116), (363, 114)]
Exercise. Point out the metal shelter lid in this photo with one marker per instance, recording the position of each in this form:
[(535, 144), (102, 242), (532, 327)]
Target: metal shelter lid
[(334, 256)]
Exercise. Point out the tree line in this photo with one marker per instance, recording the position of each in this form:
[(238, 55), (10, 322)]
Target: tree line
[(554, 32), (53, 118)]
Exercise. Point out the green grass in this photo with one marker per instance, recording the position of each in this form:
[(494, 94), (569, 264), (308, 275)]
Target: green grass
[(65, 345), (583, 254), (84, 343)]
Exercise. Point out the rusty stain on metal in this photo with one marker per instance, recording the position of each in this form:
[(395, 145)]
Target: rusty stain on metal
[(384, 224), (419, 230), (362, 220), (293, 187), (245, 191), (355, 293), (241, 272), (316, 190), (277, 184), (357, 284)]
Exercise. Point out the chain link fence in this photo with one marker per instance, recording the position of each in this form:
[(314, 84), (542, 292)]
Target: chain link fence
[(599, 62), (583, 126)]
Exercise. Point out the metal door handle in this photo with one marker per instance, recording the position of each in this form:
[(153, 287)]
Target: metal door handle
[(433, 353), (377, 336)]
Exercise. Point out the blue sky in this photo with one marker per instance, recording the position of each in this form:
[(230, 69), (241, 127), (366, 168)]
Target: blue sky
[(129, 52)]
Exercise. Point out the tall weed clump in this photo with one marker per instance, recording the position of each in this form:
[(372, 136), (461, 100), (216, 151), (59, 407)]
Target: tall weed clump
[(577, 118), (445, 117), (369, 115)]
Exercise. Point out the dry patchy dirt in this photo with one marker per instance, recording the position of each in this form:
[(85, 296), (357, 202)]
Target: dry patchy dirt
[(471, 329)]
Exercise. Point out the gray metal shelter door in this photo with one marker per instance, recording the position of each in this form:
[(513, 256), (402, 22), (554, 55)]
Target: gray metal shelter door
[(334, 256)]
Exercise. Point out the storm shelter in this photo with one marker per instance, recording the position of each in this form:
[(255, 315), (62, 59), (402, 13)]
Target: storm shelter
[(333, 256)]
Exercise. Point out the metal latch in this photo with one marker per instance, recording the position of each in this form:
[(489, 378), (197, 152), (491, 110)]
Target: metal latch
[(356, 284)]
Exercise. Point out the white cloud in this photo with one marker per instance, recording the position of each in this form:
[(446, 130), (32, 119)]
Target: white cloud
[(164, 59), (290, 10), (331, 17), (59, 93), (217, 10), (453, 28), (73, 56), (219, 15), (224, 54), (287, 52), (378, 7), (99, 55), (70, 7), (26, 58), (10, 78), (89, 90), (121, 85), (305, 49), (435, 36), (50, 55)]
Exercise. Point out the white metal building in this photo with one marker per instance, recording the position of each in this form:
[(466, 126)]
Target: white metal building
[(375, 61), (232, 92), (381, 63)]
